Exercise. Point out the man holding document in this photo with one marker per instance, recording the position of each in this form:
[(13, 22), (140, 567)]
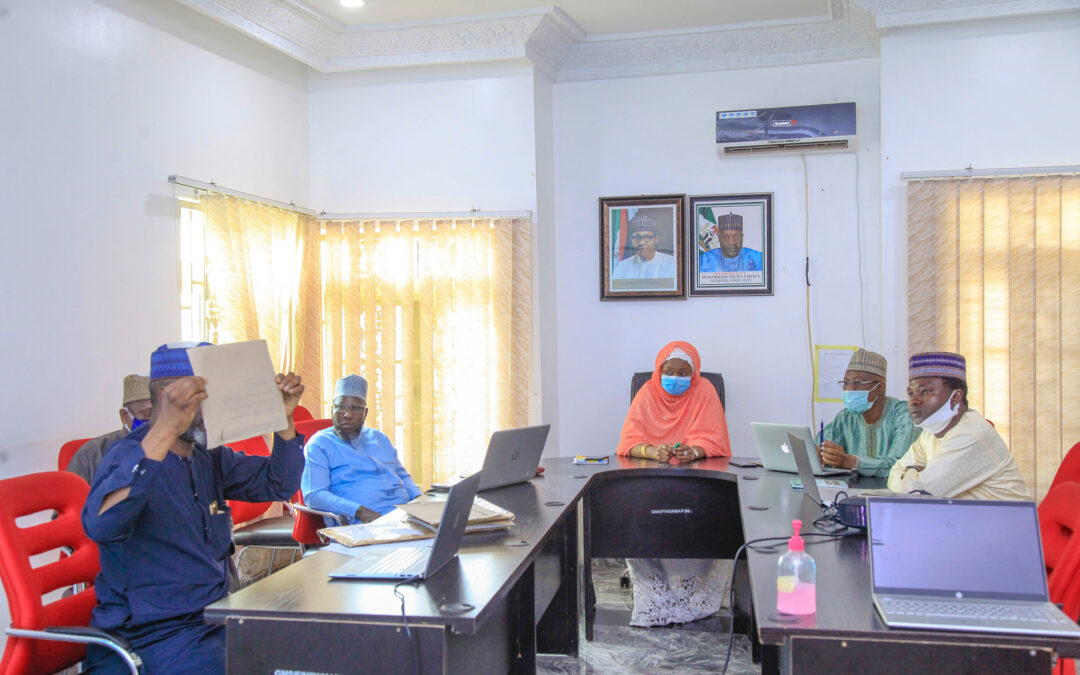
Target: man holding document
[(157, 510)]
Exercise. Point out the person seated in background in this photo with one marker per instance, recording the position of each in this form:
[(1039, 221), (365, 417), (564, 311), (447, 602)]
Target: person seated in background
[(352, 470), (958, 454), (158, 513), (676, 416), (873, 430), (134, 411)]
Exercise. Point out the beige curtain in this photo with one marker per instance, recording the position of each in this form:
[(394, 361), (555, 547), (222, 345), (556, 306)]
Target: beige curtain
[(435, 314), (994, 274), (264, 283)]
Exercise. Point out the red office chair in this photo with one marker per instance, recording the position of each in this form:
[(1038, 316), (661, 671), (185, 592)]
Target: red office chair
[(1059, 519), (1069, 469), (67, 451), (307, 428), (301, 413), (46, 638), (308, 522)]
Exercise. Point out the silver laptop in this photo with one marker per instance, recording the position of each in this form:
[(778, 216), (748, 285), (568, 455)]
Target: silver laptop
[(775, 451), (951, 564), (817, 489), (419, 562), (512, 457)]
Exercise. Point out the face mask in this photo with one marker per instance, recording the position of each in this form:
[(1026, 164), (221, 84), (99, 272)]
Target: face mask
[(674, 384), (940, 418), (858, 401), (135, 423)]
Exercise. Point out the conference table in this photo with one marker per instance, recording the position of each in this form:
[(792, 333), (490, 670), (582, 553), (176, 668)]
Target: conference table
[(514, 593)]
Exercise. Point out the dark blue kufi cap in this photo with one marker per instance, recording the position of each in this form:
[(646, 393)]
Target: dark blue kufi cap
[(171, 360)]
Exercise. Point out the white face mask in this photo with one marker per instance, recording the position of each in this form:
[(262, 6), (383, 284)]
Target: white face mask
[(940, 418)]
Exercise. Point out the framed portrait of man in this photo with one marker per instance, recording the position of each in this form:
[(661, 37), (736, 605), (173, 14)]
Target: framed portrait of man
[(729, 238), (641, 247)]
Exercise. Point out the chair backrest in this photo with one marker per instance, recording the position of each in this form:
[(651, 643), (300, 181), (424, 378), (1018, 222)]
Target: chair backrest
[(716, 379), (1069, 469), (306, 526), (307, 428), (242, 512), (67, 451), (301, 413), (65, 493)]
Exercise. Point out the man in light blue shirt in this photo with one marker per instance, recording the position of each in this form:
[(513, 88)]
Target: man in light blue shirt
[(352, 470)]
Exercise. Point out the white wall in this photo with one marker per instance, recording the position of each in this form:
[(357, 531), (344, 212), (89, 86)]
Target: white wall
[(447, 138), (655, 136), (993, 94), (101, 101)]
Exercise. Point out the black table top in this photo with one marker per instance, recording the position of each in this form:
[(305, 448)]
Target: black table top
[(844, 605), (490, 563), (486, 568)]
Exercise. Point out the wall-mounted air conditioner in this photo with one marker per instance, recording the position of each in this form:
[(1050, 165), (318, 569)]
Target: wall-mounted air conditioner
[(799, 128)]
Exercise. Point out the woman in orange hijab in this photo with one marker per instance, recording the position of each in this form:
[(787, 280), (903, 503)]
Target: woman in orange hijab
[(676, 415)]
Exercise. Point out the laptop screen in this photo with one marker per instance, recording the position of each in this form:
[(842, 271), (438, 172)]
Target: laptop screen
[(956, 548)]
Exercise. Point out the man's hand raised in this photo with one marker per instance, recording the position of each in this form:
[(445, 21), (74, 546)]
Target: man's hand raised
[(174, 411), (291, 390)]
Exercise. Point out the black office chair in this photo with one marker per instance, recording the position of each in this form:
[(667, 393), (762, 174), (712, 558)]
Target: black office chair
[(641, 378)]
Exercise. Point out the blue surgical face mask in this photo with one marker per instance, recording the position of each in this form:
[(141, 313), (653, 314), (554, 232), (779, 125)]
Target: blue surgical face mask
[(674, 385), (859, 401), (135, 424)]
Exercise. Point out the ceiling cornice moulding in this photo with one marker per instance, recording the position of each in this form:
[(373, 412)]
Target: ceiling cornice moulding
[(903, 13), (558, 47)]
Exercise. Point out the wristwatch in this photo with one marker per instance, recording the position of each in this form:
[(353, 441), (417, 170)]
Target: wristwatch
[(855, 469)]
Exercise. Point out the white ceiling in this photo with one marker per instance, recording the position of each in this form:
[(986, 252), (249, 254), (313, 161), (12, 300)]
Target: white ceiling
[(594, 16), (592, 39)]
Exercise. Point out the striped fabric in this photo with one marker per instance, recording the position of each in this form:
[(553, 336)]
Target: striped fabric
[(937, 364)]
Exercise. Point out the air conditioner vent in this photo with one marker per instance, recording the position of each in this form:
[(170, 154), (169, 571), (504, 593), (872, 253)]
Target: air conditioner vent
[(800, 146)]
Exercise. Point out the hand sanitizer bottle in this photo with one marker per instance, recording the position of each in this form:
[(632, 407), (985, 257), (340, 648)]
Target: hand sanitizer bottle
[(795, 577)]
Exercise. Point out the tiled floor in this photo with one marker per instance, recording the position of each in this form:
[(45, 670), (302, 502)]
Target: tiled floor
[(617, 647)]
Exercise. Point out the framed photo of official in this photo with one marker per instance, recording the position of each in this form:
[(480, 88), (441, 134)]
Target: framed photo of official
[(641, 247), (729, 238)]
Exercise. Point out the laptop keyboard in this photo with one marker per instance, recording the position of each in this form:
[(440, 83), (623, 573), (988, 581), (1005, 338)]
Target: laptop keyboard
[(971, 610), (403, 560)]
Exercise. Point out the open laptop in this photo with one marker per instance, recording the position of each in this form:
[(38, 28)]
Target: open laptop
[(419, 562), (818, 489), (951, 564), (512, 457), (775, 450)]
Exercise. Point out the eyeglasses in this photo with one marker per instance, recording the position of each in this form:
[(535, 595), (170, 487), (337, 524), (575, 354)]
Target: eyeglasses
[(131, 412), (349, 408), (858, 383), (642, 237)]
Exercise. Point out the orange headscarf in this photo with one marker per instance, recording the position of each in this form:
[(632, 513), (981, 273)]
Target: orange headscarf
[(695, 417)]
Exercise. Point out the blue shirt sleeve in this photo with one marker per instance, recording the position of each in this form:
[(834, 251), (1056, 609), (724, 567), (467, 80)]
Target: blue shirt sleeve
[(251, 478), (126, 466)]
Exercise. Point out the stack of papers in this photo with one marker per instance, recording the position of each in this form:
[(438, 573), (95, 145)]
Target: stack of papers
[(427, 513)]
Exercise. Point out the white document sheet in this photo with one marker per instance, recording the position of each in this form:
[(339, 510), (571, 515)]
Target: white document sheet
[(242, 399)]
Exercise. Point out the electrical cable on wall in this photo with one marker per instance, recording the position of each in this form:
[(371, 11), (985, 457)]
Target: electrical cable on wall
[(858, 239), (809, 330)]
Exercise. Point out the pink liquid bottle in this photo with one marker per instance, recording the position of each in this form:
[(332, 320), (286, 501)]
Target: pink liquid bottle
[(795, 577)]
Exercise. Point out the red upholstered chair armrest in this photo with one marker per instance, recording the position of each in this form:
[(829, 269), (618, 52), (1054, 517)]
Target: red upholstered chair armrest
[(336, 517)]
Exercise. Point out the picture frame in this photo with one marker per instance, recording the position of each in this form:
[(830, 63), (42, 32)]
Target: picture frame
[(729, 244), (641, 247)]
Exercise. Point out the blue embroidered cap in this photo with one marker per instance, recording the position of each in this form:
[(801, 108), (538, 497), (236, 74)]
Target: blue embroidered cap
[(351, 385), (171, 360), (937, 364)]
